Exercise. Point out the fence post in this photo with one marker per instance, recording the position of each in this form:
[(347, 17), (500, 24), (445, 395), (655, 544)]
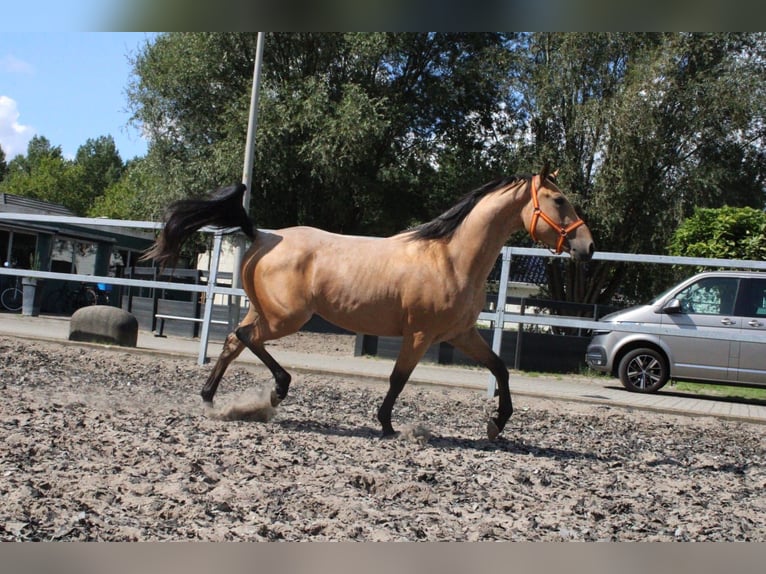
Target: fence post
[(130, 292), (209, 299), (197, 305), (519, 335), (155, 298), (502, 294)]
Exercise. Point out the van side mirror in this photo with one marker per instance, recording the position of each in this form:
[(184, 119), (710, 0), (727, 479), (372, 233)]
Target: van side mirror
[(672, 307)]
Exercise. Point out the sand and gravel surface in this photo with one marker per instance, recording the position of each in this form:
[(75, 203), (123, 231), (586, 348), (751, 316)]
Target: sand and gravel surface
[(102, 444)]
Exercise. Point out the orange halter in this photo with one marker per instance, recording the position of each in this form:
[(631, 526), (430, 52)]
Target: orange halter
[(538, 213)]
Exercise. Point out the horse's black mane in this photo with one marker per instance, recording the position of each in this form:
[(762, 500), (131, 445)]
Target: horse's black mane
[(445, 225)]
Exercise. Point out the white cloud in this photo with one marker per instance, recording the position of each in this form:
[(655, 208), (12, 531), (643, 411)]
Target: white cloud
[(14, 136), (12, 65)]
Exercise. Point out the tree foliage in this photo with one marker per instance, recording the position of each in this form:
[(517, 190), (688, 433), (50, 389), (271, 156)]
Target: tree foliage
[(723, 233), (134, 196), (352, 127), (100, 164), (44, 174), (645, 127), (3, 164)]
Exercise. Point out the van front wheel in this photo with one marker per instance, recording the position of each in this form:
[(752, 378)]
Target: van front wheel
[(643, 371)]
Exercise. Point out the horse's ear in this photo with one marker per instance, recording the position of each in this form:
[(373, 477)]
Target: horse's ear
[(545, 171)]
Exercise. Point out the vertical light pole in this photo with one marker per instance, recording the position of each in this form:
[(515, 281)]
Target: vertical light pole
[(247, 174), (252, 124)]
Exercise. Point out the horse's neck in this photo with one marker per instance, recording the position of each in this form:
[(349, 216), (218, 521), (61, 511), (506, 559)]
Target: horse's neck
[(481, 236)]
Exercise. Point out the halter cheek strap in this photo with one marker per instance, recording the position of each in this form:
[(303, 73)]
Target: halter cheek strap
[(539, 213)]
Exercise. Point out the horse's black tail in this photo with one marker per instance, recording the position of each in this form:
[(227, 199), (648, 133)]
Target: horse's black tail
[(223, 209)]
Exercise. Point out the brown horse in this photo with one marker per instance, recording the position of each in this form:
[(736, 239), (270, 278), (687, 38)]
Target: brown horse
[(426, 284)]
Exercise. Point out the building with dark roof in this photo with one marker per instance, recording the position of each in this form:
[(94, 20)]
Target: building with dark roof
[(65, 247)]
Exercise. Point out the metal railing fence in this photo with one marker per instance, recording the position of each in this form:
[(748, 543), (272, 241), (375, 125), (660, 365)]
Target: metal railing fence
[(210, 290)]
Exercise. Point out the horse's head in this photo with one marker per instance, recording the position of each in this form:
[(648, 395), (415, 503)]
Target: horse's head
[(551, 219)]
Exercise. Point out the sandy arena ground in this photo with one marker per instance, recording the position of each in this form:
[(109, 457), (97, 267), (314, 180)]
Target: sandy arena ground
[(101, 444)]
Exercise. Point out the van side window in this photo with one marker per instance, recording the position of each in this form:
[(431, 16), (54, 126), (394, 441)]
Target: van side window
[(753, 298), (709, 296)]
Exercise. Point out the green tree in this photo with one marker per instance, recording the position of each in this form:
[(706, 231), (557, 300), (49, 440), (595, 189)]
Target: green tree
[(52, 179), (43, 173), (722, 233), (40, 148), (3, 164), (645, 128), (688, 134), (352, 127), (569, 85), (100, 165), (136, 195)]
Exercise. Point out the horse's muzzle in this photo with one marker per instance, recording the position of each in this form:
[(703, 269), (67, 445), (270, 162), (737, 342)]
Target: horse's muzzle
[(581, 250)]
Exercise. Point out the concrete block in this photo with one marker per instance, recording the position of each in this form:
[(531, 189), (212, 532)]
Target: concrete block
[(104, 324)]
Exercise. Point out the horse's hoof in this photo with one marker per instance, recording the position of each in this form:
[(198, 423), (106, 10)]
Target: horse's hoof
[(389, 435), (492, 430), (275, 400)]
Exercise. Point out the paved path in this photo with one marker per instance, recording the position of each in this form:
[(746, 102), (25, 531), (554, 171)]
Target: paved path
[(565, 387)]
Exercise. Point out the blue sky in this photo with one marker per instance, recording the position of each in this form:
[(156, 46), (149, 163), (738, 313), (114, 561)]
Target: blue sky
[(68, 87)]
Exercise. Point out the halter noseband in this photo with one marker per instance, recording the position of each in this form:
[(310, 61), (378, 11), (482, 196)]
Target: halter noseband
[(538, 213)]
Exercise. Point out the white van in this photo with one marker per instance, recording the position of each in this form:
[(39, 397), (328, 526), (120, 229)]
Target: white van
[(714, 304)]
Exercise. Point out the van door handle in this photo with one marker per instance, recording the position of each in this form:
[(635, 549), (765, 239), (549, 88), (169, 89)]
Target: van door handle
[(726, 321), (755, 323)]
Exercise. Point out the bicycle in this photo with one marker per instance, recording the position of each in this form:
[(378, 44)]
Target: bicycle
[(12, 298), (68, 297), (102, 291)]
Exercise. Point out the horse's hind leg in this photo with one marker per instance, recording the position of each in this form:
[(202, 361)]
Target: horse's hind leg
[(232, 347), (248, 336), (474, 346)]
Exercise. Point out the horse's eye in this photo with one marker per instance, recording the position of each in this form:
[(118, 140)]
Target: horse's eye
[(559, 200)]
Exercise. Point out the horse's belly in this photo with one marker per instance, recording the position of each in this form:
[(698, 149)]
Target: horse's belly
[(392, 316), (372, 319)]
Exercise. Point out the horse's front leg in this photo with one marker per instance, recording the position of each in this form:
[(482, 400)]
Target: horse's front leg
[(474, 346), (412, 350)]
